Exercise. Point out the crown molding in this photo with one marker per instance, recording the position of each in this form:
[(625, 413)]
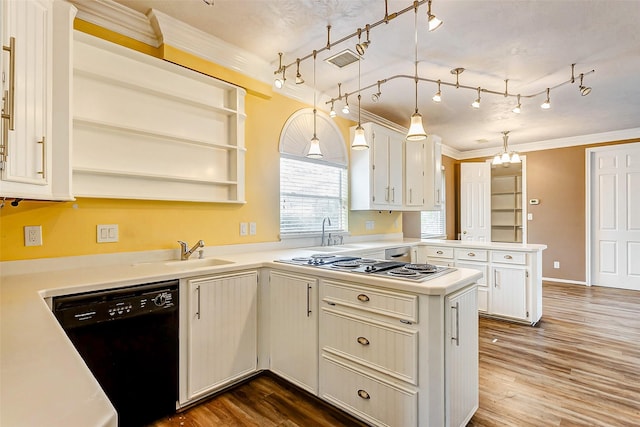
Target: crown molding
[(118, 18), (550, 144)]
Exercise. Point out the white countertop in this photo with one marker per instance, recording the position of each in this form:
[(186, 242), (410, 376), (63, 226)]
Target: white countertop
[(43, 380), (518, 247)]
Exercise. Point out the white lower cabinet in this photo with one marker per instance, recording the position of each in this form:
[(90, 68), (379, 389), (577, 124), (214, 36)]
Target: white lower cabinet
[(477, 260), (461, 353), (221, 326), (293, 344), (509, 292)]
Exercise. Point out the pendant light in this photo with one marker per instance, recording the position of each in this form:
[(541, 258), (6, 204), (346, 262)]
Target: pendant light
[(438, 96), (518, 108), (433, 21), (416, 130), (359, 140), (547, 103), (505, 157), (314, 148)]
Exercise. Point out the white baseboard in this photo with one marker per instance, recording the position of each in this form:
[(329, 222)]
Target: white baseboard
[(573, 282)]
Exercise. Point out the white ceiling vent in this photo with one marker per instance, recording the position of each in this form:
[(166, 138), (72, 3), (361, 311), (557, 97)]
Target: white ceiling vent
[(342, 59)]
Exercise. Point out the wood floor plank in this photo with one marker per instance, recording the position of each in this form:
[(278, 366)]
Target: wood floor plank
[(580, 366)]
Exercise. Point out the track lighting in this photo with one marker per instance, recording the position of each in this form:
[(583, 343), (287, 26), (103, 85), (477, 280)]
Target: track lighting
[(518, 108), (416, 129), (375, 97), (332, 112), (476, 103), (314, 146), (433, 21), (438, 96), (584, 90), (547, 103), (279, 82), (361, 47), (299, 79), (345, 109)]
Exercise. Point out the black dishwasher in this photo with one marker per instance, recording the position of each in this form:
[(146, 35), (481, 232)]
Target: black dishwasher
[(128, 338)]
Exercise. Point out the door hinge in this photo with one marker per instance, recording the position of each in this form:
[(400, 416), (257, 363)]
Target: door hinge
[(527, 273)]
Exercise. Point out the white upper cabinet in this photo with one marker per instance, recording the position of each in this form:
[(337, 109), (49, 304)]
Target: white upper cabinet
[(34, 150), (414, 172), (377, 173)]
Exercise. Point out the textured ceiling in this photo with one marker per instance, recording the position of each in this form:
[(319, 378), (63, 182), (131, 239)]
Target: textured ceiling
[(531, 43)]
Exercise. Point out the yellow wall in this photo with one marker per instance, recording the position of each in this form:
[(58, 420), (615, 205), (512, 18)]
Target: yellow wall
[(69, 228)]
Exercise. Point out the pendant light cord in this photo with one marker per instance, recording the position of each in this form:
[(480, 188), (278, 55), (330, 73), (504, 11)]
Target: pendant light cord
[(416, 50), (314, 94)]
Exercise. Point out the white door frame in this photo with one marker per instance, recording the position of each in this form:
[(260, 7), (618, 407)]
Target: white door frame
[(589, 157)]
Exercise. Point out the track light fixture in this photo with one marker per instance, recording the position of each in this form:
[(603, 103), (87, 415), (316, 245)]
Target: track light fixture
[(518, 108), (416, 129), (332, 112), (362, 47), (208, 2), (433, 21), (314, 146), (547, 103), (345, 108), (375, 97), (279, 82), (438, 96), (359, 140), (584, 90), (299, 79), (476, 104)]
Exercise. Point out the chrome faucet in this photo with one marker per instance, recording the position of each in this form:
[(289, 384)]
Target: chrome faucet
[(185, 252), (328, 221)]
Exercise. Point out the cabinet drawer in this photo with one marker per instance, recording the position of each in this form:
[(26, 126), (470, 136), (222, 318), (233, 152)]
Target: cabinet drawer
[(471, 254), (439, 252), (506, 257), (375, 401), (392, 304), (390, 350)]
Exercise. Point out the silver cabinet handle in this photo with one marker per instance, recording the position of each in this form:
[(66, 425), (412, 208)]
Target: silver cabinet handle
[(438, 196), (495, 278), (10, 96), (439, 252), (508, 257), (198, 311), (471, 254), (363, 394), (308, 300), (411, 195), (363, 298), (363, 341), (386, 196), (393, 194), (44, 157), (457, 337)]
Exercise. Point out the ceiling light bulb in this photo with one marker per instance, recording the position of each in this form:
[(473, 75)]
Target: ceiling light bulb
[(314, 149), (437, 97), (517, 109), (278, 83), (433, 22), (375, 97), (416, 130), (299, 79), (345, 109), (332, 113), (584, 90), (547, 103), (505, 157), (359, 140), (497, 160), (476, 103)]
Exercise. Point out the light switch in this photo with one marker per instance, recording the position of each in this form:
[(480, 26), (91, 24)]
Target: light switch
[(530, 217), (107, 233), (252, 228), (243, 228)]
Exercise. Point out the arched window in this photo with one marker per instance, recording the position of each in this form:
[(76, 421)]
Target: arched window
[(312, 189)]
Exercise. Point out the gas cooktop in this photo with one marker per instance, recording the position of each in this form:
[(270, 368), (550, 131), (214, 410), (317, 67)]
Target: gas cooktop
[(357, 265)]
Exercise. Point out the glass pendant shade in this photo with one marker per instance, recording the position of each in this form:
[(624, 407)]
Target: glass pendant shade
[(434, 23), (505, 157), (545, 105), (476, 103), (497, 160), (437, 97), (515, 157), (517, 109), (332, 113), (314, 149), (416, 130), (359, 140), (345, 109)]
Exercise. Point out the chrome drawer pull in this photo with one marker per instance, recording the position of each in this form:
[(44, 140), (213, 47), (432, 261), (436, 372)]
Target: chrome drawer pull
[(363, 341), (439, 252), (363, 298), (508, 257), (363, 394), (471, 254)]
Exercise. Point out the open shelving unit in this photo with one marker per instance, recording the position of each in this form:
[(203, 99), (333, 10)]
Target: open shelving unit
[(506, 204)]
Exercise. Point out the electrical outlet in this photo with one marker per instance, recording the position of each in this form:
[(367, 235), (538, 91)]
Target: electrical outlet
[(33, 235), (243, 228), (369, 225), (556, 264), (252, 228), (107, 233), (530, 216)]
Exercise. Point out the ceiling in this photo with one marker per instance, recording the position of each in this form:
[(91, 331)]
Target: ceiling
[(530, 43)]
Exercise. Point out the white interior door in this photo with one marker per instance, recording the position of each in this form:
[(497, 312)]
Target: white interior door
[(615, 216), (475, 201)]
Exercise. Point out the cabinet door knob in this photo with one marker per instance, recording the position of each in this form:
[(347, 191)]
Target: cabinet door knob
[(439, 252), (363, 394), (508, 257), (363, 341), (471, 254), (363, 298)]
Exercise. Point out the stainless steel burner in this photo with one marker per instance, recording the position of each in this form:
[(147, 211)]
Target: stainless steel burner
[(347, 264), (301, 259), (424, 268), (402, 271), (322, 256)]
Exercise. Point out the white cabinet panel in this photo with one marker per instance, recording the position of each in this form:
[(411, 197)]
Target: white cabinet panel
[(293, 346), (415, 162), (509, 292), (222, 331)]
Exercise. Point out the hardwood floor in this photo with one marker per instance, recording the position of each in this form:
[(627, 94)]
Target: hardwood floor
[(580, 366)]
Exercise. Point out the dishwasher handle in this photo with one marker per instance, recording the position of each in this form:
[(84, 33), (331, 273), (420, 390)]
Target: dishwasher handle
[(398, 254)]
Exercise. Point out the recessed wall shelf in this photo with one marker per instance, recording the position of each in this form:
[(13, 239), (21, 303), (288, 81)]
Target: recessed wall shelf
[(506, 204)]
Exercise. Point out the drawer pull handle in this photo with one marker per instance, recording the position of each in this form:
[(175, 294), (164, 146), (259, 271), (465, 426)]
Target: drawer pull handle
[(439, 252), (363, 341), (471, 254), (363, 394), (363, 298), (508, 257)]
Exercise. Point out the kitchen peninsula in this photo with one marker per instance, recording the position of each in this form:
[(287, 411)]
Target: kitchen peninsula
[(424, 323)]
